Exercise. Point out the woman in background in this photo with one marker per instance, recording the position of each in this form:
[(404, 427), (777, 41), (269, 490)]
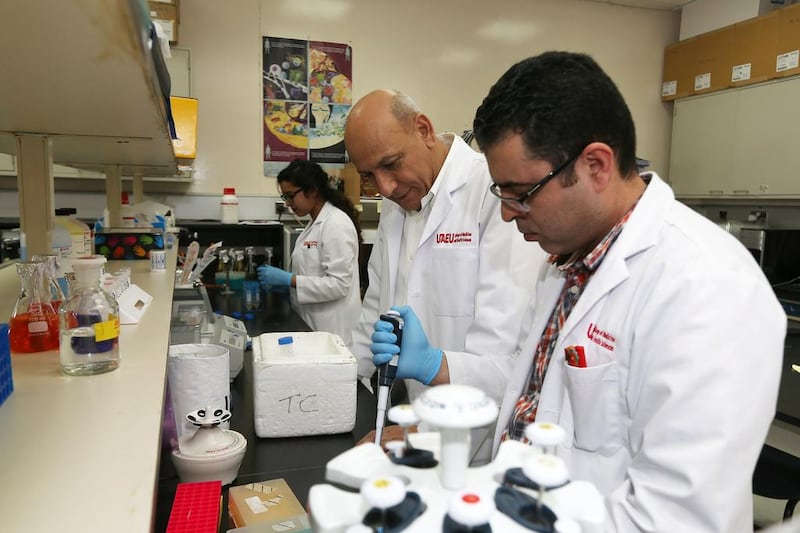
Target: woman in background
[(324, 284)]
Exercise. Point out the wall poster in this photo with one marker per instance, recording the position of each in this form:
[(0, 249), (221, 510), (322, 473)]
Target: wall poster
[(307, 96)]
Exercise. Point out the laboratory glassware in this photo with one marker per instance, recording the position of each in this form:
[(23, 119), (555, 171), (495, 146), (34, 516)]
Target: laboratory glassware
[(89, 323), (34, 322), (226, 260)]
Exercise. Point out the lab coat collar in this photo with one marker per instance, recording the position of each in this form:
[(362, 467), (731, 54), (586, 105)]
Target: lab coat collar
[(324, 213), (452, 176), (638, 235)]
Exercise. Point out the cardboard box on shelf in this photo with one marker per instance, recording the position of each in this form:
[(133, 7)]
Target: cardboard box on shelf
[(166, 16), (713, 56), (754, 43), (270, 504), (787, 50), (678, 80)]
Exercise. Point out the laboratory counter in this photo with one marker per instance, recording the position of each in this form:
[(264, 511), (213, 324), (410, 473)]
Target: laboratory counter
[(299, 460), (81, 454)]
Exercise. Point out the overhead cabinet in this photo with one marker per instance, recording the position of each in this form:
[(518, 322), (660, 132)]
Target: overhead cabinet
[(738, 143), (748, 52)]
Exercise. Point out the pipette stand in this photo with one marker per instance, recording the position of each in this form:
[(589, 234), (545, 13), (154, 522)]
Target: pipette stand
[(500, 496)]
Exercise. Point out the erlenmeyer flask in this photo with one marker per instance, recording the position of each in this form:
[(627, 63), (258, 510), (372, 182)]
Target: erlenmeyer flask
[(56, 280), (34, 323)]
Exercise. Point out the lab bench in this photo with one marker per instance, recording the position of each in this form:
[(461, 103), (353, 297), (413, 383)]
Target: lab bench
[(81, 454), (299, 460)]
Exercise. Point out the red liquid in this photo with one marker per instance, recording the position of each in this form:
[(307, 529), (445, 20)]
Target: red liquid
[(22, 340)]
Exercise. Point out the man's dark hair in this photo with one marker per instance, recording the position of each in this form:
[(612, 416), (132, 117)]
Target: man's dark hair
[(559, 102)]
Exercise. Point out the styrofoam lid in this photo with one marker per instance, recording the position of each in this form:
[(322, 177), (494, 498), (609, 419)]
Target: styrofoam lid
[(308, 347)]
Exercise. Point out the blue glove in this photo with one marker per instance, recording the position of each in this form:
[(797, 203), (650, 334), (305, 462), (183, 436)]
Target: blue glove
[(418, 359), (271, 277)]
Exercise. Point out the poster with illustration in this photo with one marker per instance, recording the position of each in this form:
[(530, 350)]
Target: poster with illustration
[(330, 73), (285, 69), (285, 130), (326, 132), (307, 95)]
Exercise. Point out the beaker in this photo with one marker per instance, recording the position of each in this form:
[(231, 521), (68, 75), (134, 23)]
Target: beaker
[(34, 322)]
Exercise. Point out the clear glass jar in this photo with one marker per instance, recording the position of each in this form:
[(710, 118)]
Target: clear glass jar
[(89, 323), (34, 322)]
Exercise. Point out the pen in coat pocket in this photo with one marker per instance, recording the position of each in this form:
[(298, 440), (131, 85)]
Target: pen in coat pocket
[(575, 356)]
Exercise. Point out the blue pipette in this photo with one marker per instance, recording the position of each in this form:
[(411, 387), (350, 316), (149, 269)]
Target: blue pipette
[(387, 372)]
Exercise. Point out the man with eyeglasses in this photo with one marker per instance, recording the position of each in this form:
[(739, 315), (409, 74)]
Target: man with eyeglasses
[(655, 340), (441, 248)]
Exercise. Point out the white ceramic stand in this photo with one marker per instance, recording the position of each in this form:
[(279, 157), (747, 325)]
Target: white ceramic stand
[(569, 504)]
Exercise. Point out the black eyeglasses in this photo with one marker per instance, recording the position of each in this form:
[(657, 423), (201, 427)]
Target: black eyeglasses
[(520, 203), (289, 196)]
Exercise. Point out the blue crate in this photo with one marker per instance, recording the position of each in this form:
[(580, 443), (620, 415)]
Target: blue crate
[(6, 381)]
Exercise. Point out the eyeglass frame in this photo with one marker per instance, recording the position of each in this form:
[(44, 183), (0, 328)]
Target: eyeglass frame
[(289, 196), (521, 202)]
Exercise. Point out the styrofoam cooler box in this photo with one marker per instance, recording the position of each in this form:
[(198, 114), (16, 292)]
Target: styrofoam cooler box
[(308, 389)]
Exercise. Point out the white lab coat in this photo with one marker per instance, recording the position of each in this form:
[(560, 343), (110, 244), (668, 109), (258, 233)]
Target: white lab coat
[(684, 344), (325, 261), (470, 280)]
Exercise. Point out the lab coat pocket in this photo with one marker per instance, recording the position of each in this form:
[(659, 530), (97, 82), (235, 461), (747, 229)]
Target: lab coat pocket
[(594, 398), (456, 279)]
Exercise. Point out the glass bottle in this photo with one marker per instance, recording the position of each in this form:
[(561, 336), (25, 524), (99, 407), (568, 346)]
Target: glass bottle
[(238, 272), (34, 322), (89, 323), (250, 254), (222, 260)]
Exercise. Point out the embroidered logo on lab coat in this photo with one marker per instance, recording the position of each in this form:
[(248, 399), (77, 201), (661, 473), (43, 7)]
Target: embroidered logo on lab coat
[(600, 337), (454, 238), (311, 244)]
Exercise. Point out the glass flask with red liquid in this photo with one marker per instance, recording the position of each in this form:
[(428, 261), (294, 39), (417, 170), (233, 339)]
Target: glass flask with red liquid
[(34, 323)]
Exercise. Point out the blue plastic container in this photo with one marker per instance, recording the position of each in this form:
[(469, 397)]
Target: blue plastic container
[(6, 381)]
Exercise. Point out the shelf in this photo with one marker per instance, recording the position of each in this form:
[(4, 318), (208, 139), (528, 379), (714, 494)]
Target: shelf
[(80, 72), (80, 88)]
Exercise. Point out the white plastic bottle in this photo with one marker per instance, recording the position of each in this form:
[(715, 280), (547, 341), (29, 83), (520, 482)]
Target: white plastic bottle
[(82, 235), (70, 238), (61, 242), (286, 346), (229, 206), (126, 211)]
